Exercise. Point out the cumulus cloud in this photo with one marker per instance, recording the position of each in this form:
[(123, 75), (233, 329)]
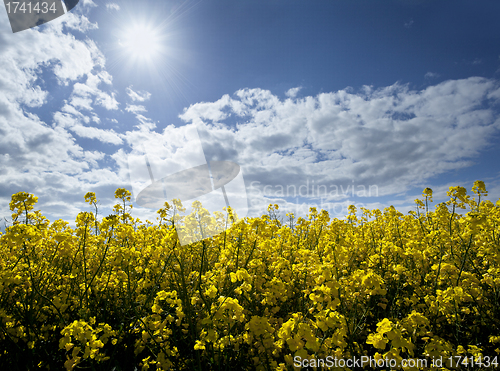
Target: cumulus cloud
[(431, 75), (144, 123), (138, 96), (105, 136), (74, 22), (392, 137), (44, 157), (135, 108), (86, 94), (107, 101), (88, 3), (112, 6), (73, 124), (292, 93)]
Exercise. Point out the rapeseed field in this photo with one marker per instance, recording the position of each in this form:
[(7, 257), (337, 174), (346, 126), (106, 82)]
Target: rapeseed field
[(116, 293)]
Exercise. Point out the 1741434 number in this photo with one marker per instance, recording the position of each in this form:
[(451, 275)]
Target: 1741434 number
[(24, 7)]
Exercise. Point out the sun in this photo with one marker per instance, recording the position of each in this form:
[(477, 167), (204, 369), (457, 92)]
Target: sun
[(146, 44), (142, 42)]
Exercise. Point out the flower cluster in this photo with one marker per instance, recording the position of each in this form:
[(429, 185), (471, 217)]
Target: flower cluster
[(117, 293)]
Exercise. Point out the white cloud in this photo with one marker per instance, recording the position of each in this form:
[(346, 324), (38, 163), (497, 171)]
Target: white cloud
[(292, 93), (112, 6), (73, 123), (145, 123), (431, 75), (91, 94), (83, 97), (474, 62), (45, 158), (135, 108), (82, 103), (89, 3), (75, 22), (138, 96), (391, 137), (107, 101), (105, 136)]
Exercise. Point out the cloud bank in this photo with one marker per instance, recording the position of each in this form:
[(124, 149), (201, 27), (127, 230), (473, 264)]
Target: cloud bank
[(391, 137)]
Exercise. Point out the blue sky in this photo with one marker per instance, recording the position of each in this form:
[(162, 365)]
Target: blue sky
[(392, 95)]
